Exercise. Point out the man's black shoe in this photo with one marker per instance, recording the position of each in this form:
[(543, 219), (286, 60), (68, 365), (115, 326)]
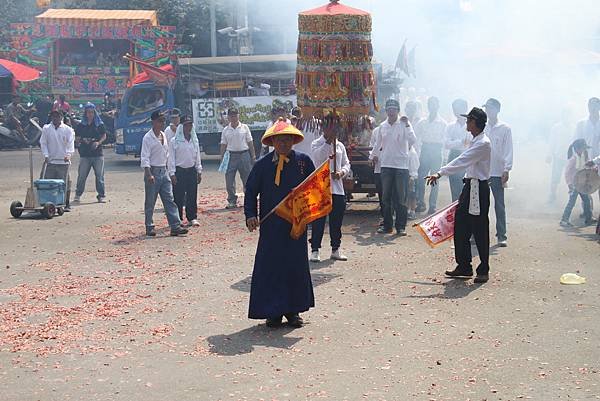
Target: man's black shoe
[(178, 231), (383, 230), (459, 273), (294, 320), (481, 278), (150, 232), (274, 321)]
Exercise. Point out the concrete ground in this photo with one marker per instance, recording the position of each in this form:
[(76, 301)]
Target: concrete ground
[(91, 309)]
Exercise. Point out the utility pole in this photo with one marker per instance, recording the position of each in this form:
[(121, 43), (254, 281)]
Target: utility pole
[(213, 28), (250, 25)]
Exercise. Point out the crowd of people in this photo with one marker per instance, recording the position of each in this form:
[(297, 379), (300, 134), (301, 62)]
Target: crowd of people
[(407, 156)]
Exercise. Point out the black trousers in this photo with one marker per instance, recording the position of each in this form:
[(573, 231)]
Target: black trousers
[(379, 190), (336, 217), (466, 225), (185, 192), (394, 182)]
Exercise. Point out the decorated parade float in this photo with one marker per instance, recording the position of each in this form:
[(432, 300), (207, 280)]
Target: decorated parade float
[(336, 83), (80, 52)]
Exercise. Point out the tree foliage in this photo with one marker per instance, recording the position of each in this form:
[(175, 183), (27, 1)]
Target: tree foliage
[(191, 17)]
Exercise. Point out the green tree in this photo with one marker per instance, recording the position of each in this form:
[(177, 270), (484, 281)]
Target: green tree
[(15, 11), (191, 17)]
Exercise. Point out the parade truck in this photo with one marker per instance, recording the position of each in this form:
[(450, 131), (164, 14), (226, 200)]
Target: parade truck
[(133, 118), (252, 84), (207, 87)]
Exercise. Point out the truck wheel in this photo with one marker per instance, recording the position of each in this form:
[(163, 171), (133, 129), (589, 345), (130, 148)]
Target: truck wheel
[(49, 210), (14, 209)]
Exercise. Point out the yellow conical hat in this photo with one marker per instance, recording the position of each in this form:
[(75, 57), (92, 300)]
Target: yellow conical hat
[(282, 127)]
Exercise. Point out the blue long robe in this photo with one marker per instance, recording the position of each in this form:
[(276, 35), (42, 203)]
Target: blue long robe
[(281, 282)]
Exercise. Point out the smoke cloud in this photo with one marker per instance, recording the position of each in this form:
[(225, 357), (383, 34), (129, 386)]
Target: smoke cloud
[(535, 56)]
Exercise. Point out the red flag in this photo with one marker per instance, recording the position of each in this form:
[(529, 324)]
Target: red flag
[(162, 75), (438, 227), (307, 202)]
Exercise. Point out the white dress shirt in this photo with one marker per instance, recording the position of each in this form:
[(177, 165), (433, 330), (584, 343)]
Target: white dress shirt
[(236, 138), (393, 143), (154, 153), (590, 131), (500, 136), (305, 146), (170, 133), (184, 154), (457, 137), (377, 166), (476, 160), (321, 151), (431, 131), (57, 143)]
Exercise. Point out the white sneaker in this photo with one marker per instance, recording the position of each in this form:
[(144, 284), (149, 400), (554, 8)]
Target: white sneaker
[(314, 257), (337, 255), (77, 199), (194, 223), (502, 244)]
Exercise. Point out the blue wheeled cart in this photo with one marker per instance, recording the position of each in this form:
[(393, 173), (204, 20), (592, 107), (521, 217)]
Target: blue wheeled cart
[(44, 196)]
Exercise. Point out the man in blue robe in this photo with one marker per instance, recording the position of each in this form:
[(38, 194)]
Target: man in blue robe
[(281, 283)]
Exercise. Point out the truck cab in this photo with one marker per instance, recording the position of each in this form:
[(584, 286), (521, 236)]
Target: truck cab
[(133, 120)]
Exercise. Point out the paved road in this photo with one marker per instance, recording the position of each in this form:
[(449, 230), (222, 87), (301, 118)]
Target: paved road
[(90, 309)]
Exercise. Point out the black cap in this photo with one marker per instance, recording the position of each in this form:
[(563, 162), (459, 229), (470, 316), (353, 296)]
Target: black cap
[(476, 114), (156, 115), (187, 119), (581, 144), (175, 112), (491, 102), (392, 104), (57, 111), (232, 110)]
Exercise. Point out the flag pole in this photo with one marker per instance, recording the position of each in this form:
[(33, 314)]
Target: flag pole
[(292, 191)]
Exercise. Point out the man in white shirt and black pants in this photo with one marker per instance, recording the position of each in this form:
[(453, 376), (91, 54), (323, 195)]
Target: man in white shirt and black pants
[(392, 147), (236, 139), (500, 136), (155, 151), (457, 140), (430, 131), (322, 149), (471, 218), (185, 170), (57, 143)]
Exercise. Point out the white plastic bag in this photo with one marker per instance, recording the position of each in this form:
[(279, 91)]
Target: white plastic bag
[(224, 163)]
